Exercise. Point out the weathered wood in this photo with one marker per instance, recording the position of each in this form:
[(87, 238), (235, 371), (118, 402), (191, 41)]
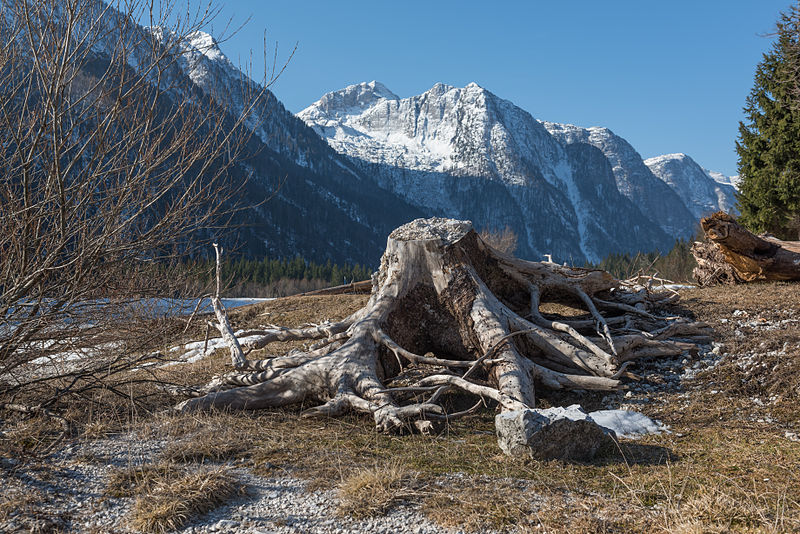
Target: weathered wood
[(734, 255), (444, 301), (354, 288)]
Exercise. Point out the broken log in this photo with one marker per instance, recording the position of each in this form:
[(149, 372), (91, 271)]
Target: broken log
[(733, 254)]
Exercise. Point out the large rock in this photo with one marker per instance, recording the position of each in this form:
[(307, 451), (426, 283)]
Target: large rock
[(554, 433)]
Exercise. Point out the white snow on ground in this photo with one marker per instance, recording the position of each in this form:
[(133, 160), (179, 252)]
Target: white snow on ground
[(674, 287), (74, 355), (173, 307), (627, 423), (157, 308), (193, 352)]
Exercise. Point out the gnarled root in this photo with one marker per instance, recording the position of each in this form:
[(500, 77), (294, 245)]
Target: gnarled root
[(449, 313)]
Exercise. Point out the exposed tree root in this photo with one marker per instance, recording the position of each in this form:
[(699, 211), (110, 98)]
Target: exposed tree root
[(449, 313)]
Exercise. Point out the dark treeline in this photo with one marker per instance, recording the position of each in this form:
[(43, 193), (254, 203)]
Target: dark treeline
[(676, 265), (269, 277)]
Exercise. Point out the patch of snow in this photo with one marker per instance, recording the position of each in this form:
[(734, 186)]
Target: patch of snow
[(627, 423), (173, 307), (206, 45), (718, 177), (194, 351)]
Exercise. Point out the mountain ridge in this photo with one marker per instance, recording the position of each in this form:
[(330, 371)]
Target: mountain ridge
[(422, 146)]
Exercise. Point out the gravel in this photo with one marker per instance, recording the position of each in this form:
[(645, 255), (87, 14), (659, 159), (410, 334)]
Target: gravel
[(69, 495)]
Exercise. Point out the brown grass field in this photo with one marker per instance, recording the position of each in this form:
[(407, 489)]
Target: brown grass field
[(730, 463)]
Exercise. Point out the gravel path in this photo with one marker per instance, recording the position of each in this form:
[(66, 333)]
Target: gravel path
[(68, 494)]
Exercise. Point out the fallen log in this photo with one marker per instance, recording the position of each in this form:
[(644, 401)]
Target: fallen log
[(733, 254), (364, 287)]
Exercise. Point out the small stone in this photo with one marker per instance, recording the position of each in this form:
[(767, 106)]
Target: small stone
[(792, 436), (225, 525)]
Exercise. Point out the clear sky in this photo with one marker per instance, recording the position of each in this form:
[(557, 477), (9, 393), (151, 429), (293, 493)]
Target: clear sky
[(667, 76)]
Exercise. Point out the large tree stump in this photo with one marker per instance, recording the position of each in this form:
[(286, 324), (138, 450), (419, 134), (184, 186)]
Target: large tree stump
[(734, 254), (449, 313)]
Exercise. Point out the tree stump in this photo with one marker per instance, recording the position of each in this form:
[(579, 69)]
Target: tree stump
[(734, 254), (449, 313)]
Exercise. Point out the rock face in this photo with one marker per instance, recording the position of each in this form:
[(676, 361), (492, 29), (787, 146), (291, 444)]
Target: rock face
[(698, 188), (572, 192), (320, 206), (553, 433), (658, 202)]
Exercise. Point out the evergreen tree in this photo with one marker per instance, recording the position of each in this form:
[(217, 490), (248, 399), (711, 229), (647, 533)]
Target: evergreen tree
[(769, 140)]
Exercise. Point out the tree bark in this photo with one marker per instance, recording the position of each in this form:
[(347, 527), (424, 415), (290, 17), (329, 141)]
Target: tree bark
[(449, 313), (735, 255)]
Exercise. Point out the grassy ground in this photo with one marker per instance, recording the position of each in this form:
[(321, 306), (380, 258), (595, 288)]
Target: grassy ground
[(729, 464)]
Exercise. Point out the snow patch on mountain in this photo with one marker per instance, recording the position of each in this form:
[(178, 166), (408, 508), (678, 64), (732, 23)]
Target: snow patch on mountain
[(718, 177)]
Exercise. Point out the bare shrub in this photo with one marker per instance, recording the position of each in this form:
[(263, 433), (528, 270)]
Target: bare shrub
[(112, 166), (504, 240)]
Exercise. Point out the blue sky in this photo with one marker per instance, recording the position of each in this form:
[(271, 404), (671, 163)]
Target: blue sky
[(667, 76)]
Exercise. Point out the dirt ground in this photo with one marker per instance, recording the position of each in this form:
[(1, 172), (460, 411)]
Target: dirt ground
[(730, 463)]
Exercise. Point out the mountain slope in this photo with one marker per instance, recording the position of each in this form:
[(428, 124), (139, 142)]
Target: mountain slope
[(464, 152), (296, 196), (634, 179), (699, 190)]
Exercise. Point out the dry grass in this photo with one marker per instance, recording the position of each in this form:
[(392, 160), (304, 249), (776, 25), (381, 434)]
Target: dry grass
[(171, 503), (168, 496), (134, 480), (666, 483), (714, 510), (719, 471), (26, 437), (18, 501), (475, 504), (213, 442), (373, 491)]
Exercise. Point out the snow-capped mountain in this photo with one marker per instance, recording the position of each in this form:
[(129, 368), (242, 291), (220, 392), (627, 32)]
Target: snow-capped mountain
[(697, 187), (323, 208), (293, 194), (464, 152), (383, 160), (634, 179), (732, 181)]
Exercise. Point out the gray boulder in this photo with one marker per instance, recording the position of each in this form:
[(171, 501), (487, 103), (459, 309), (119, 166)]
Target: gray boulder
[(554, 433)]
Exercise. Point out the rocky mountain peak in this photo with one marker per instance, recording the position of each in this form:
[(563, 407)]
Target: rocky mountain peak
[(352, 100), (700, 191), (451, 143)]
